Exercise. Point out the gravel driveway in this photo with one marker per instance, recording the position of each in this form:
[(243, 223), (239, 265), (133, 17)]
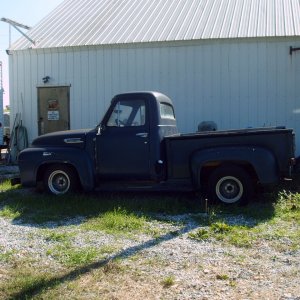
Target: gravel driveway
[(199, 269)]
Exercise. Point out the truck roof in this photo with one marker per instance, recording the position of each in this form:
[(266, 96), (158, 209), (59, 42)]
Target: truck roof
[(160, 97)]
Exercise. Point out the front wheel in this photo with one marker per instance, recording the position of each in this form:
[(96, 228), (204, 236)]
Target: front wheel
[(60, 179), (230, 185)]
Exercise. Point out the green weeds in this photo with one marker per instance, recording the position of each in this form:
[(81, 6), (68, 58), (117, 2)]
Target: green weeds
[(71, 256), (282, 229), (11, 211), (168, 281), (6, 256), (118, 221)]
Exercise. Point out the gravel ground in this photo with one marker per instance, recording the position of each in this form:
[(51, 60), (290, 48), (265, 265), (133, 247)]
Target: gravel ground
[(201, 270)]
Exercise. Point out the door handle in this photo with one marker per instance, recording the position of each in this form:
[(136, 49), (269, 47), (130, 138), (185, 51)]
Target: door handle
[(142, 134)]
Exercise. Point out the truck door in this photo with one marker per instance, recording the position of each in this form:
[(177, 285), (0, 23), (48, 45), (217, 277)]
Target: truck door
[(123, 142)]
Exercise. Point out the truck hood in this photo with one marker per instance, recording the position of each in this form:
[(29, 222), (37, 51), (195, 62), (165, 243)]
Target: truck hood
[(69, 138)]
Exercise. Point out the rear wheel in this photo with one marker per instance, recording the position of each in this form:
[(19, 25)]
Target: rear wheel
[(230, 185), (60, 179)]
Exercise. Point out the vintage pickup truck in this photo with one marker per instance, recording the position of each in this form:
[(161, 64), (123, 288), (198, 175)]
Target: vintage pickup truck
[(137, 147)]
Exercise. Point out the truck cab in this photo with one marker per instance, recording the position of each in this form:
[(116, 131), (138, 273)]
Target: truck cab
[(129, 140)]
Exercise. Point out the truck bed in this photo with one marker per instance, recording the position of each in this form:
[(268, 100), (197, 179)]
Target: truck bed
[(279, 141)]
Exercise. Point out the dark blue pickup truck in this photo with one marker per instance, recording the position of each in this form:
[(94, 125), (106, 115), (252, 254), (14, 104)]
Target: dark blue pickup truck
[(137, 147)]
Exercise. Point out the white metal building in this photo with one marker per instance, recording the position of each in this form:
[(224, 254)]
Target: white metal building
[(1, 107), (234, 62)]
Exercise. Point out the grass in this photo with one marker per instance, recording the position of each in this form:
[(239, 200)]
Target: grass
[(273, 219), (283, 225), (72, 256), (118, 221), (41, 209), (57, 236), (11, 211), (6, 257), (168, 281)]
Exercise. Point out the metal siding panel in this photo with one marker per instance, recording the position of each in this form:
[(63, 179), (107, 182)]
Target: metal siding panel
[(253, 18), (207, 81), (271, 19), (132, 24), (236, 19), (182, 22), (92, 107), (107, 66), (58, 32), (281, 84), (76, 113), (220, 19), (253, 102), (26, 91), (203, 21), (114, 22), (141, 24), (289, 18), (225, 70), (166, 22), (271, 82), (245, 19), (235, 88), (67, 63), (102, 101), (96, 18), (262, 20), (188, 20), (160, 22), (296, 16), (227, 24), (100, 22), (292, 97), (212, 16), (262, 75), (280, 18), (243, 98), (189, 68), (151, 23)]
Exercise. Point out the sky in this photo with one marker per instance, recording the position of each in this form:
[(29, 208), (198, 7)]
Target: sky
[(27, 12)]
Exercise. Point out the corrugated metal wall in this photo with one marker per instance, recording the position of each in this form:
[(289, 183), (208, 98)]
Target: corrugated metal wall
[(1, 116), (236, 83)]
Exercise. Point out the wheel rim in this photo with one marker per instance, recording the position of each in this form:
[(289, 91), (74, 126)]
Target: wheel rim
[(59, 182), (229, 189)]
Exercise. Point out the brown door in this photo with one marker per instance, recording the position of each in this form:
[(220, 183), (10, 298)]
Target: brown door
[(53, 109)]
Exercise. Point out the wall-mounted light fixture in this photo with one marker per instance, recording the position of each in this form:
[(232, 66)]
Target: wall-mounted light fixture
[(46, 79), (293, 49)]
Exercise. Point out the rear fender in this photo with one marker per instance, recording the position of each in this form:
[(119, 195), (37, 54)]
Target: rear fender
[(31, 160), (262, 161)]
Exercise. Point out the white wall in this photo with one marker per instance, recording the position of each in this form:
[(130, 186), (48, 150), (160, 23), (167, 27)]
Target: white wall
[(236, 83), (1, 117)]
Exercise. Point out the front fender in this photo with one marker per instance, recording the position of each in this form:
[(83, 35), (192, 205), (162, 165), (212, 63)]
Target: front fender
[(31, 159), (262, 160)]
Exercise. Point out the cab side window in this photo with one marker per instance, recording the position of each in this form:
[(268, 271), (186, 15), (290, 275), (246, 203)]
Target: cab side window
[(127, 113)]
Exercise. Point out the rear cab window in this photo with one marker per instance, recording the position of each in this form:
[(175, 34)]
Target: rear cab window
[(167, 111)]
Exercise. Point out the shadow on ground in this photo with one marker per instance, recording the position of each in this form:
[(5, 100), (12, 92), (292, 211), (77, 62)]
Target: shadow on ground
[(38, 209)]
